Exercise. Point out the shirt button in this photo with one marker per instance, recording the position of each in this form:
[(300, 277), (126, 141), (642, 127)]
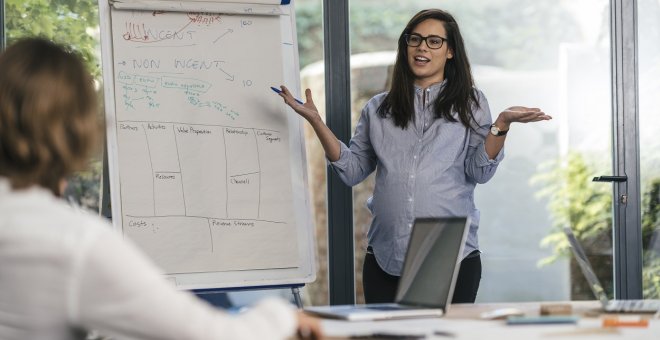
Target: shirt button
[(412, 176), (415, 157), (410, 199), (420, 139), (409, 225)]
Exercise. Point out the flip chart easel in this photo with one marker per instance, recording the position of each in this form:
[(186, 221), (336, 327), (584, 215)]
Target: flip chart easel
[(207, 166)]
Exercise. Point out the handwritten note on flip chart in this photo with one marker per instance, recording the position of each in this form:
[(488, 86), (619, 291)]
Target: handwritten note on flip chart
[(202, 142)]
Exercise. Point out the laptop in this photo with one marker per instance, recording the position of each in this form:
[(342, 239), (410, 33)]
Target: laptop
[(429, 274), (610, 306)]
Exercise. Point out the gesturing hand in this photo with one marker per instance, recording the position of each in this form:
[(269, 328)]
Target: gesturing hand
[(329, 141), (307, 110), (521, 114)]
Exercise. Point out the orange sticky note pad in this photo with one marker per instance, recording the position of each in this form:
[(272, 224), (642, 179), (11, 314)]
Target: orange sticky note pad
[(616, 322)]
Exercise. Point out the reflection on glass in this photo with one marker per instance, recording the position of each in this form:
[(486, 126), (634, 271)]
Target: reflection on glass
[(649, 128), (556, 57)]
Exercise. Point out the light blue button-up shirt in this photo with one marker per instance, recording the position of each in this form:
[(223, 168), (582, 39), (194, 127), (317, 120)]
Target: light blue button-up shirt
[(429, 169)]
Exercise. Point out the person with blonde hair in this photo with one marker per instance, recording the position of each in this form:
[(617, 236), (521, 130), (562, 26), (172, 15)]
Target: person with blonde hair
[(64, 271)]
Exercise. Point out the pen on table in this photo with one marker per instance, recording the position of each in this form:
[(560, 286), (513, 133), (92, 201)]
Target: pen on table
[(280, 91), (616, 322)]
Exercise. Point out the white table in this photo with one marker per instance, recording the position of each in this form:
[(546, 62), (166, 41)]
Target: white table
[(463, 322)]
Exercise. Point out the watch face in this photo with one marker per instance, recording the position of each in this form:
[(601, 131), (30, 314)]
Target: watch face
[(494, 130)]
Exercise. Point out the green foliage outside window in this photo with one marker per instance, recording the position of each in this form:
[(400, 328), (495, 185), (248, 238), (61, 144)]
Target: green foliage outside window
[(74, 23), (651, 240), (575, 201)]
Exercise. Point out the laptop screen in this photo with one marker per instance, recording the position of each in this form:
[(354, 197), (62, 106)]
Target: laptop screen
[(432, 260), (585, 266)]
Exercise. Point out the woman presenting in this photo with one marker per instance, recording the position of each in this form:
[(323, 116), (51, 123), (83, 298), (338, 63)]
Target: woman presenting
[(431, 139)]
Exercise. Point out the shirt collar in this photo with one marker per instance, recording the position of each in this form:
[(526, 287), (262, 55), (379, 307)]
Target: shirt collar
[(433, 88)]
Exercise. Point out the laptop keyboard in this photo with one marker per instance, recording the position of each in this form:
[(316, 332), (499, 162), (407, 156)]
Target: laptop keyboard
[(633, 305), (390, 307)]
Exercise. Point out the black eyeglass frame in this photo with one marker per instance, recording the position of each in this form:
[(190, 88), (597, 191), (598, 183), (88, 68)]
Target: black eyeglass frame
[(406, 38)]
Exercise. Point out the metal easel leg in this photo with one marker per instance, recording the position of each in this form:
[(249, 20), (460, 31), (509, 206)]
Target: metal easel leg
[(296, 296)]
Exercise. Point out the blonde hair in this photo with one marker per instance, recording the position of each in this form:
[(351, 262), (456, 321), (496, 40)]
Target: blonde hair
[(48, 114)]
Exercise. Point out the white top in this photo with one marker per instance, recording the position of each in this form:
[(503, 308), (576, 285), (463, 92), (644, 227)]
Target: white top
[(63, 269)]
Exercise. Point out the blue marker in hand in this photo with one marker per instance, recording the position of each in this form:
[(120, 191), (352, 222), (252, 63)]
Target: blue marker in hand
[(280, 91)]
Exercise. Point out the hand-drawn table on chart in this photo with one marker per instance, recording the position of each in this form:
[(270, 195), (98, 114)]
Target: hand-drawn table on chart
[(202, 142)]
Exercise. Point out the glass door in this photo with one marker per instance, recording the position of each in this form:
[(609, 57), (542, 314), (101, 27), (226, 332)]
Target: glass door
[(550, 54)]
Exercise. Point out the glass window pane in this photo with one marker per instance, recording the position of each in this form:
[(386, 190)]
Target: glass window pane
[(74, 23), (374, 30), (649, 129), (549, 54), (309, 27), (561, 64)]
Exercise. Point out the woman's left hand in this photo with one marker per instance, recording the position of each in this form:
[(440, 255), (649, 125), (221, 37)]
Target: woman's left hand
[(521, 114)]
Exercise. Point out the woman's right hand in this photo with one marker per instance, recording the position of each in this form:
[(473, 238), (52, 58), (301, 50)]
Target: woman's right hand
[(307, 110)]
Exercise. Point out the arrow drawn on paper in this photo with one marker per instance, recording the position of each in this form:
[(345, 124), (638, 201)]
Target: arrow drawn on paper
[(229, 30)]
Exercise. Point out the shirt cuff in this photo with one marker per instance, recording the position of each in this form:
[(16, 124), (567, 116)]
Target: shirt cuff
[(483, 160), (342, 162)]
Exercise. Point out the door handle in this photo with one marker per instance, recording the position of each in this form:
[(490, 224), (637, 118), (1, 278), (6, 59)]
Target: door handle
[(610, 179)]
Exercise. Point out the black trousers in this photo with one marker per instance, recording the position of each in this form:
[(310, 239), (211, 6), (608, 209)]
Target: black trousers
[(380, 286)]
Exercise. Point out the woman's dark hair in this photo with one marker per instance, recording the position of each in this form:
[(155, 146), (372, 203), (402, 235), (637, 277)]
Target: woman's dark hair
[(48, 114), (458, 94)]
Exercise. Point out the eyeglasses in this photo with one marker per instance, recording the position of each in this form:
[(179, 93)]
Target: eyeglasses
[(432, 41)]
